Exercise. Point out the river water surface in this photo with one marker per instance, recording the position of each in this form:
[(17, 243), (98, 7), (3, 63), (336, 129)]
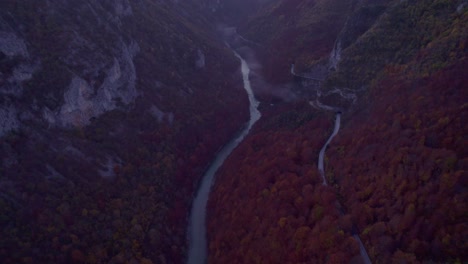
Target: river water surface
[(198, 248)]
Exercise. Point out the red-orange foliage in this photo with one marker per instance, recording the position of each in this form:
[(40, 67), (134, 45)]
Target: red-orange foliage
[(400, 174), (268, 204), (399, 164)]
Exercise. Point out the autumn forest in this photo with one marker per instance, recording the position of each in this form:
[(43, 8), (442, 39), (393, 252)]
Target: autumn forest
[(111, 112)]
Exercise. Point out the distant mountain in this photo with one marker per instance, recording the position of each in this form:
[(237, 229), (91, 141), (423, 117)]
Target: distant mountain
[(109, 113), (398, 165)]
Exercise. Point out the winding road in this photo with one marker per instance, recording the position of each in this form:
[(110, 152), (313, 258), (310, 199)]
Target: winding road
[(347, 94), (322, 151), (198, 246), (362, 249)]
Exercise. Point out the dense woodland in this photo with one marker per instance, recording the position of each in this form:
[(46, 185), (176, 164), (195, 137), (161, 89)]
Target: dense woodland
[(402, 175), (269, 204), (64, 196), (396, 170)]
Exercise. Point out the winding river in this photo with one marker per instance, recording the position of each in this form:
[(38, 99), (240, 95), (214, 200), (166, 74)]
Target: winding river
[(198, 249), (198, 245)]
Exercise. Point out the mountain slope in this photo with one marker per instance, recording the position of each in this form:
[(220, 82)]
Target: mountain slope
[(295, 32), (398, 164), (109, 112)]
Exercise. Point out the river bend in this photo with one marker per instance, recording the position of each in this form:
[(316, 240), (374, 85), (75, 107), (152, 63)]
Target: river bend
[(198, 245)]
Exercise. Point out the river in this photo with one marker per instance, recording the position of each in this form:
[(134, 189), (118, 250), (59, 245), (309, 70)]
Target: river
[(198, 246)]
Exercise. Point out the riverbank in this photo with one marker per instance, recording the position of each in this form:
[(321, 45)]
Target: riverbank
[(197, 225)]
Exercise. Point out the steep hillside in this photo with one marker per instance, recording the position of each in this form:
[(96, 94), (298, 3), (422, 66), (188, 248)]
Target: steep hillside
[(398, 165), (295, 32), (109, 113), (269, 205), (231, 12), (403, 182), (400, 170)]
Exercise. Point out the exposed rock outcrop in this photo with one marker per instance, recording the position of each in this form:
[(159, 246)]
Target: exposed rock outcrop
[(82, 101), (109, 112)]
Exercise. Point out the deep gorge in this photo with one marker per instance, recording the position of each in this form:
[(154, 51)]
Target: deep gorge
[(112, 111)]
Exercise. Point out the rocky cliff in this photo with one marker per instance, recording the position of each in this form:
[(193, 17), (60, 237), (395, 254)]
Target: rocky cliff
[(109, 112)]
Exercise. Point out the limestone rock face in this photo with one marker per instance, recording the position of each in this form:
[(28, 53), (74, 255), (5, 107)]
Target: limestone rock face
[(96, 70), (92, 94), (82, 101), (11, 45), (8, 119)]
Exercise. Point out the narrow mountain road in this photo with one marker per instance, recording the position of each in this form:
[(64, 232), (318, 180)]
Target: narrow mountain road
[(362, 249), (322, 151)]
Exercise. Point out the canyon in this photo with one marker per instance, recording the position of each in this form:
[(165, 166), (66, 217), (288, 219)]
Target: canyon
[(116, 115)]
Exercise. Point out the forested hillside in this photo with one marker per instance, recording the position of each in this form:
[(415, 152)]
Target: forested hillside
[(109, 113), (112, 110), (398, 165)]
